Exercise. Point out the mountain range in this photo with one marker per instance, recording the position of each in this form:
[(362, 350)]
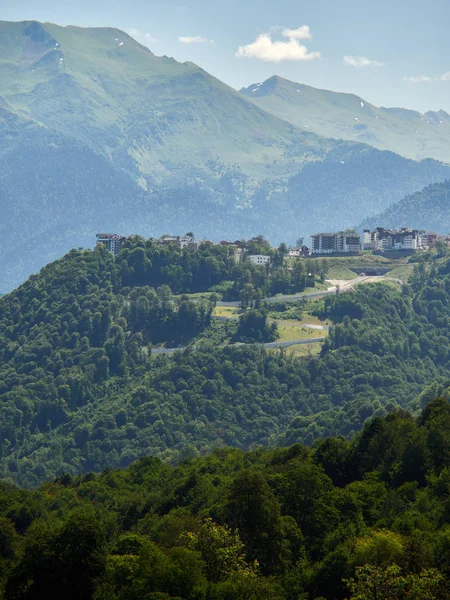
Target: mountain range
[(100, 134), (349, 117)]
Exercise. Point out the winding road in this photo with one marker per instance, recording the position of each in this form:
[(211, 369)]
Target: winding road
[(343, 287), (347, 285), (267, 345)]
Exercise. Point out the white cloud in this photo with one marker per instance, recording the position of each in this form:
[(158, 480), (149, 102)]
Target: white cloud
[(362, 61), (417, 79), (302, 33), (150, 38), (186, 39), (139, 35), (426, 78), (265, 48)]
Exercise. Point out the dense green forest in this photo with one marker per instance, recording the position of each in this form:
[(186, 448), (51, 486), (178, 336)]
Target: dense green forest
[(144, 262), (81, 390), (366, 519)]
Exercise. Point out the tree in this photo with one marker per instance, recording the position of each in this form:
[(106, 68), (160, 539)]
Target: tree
[(60, 561), (253, 509), (115, 348), (253, 327), (221, 550), (8, 539), (380, 548), (375, 583), (246, 295)]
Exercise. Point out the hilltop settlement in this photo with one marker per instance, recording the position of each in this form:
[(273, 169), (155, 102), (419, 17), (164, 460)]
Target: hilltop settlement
[(389, 242)]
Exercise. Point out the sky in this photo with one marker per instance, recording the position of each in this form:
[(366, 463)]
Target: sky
[(389, 52)]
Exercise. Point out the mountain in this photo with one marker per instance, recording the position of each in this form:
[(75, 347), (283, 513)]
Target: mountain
[(81, 388), (428, 209), (349, 117), (101, 134)]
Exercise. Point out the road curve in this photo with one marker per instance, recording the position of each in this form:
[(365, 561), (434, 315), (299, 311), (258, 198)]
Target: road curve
[(310, 296), (266, 345)]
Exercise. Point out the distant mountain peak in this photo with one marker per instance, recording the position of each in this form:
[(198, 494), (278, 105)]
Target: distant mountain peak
[(349, 117), (39, 36)]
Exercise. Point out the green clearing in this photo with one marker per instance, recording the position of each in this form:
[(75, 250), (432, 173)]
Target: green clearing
[(287, 333), (305, 350), (339, 267), (403, 271), (226, 311), (311, 319)]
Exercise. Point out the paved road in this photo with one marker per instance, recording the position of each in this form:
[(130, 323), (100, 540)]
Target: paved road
[(267, 345), (273, 299), (307, 325), (310, 296)]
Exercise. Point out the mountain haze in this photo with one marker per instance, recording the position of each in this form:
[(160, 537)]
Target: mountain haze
[(427, 209), (100, 134), (349, 117)]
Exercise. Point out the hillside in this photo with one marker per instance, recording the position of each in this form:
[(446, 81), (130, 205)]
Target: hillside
[(101, 134), (343, 520), (349, 117), (81, 389), (428, 209)]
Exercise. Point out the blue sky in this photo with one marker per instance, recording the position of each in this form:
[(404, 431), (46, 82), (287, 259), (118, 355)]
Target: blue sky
[(397, 51)]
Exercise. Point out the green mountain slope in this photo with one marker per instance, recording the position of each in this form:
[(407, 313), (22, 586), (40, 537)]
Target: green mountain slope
[(81, 391), (349, 117), (142, 111), (100, 134), (428, 209)]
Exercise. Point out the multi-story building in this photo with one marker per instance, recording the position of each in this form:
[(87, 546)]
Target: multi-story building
[(369, 239), (429, 239), (391, 240), (336, 243), (112, 241), (259, 259)]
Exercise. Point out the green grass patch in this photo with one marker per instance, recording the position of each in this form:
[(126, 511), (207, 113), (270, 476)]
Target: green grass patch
[(226, 311), (288, 333), (402, 272)]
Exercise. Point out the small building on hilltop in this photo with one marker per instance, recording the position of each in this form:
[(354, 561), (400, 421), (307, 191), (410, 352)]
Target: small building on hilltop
[(341, 242), (259, 259), (299, 252), (181, 241), (112, 241)]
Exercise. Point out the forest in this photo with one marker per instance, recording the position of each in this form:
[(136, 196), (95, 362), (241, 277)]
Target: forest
[(365, 519), (83, 391)]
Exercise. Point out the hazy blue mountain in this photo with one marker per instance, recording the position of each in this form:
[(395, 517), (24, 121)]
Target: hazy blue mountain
[(98, 133), (428, 209), (349, 117)]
